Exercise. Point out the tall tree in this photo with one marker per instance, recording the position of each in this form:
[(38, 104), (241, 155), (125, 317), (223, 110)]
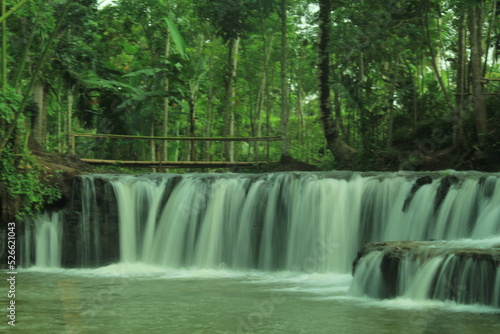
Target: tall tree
[(461, 64), (284, 82), (340, 150), (234, 44), (476, 61)]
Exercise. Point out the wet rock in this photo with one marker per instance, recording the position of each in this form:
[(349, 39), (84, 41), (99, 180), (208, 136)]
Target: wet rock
[(417, 185), (443, 189)]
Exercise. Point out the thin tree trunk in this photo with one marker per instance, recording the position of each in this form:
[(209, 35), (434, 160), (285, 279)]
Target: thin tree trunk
[(230, 94), (39, 98), (340, 150), (208, 128), (45, 133), (192, 128), (458, 129), (60, 120), (166, 101), (435, 62), (285, 148), (475, 35), (154, 157), (261, 94), (177, 133), (337, 101), (494, 15), (269, 107), (392, 91), (69, 118), (300, 113)]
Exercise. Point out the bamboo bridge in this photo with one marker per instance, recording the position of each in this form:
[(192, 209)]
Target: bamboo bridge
[(159, 163)]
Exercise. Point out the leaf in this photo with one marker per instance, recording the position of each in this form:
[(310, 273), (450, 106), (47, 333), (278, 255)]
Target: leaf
[(177, 37), (111, 84), (141, 97), (155, 93), (182, 103), (130, 48), (147, 72)]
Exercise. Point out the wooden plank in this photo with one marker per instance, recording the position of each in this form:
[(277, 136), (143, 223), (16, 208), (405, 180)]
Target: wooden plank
[(172, 164), (178, 138)]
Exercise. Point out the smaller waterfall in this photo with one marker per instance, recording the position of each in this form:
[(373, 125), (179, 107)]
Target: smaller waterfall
[(48, 235), (467, 272), (89, 227), (368, 280)]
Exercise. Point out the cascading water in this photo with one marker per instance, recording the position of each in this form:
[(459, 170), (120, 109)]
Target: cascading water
[(466, 271), (48, 229), (89, 220), (312, 222)]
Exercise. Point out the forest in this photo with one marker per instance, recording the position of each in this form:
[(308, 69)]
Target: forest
[(362, 85)]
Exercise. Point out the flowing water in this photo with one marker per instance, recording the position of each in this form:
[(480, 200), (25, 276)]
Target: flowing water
[(273, 253), (142, 299)]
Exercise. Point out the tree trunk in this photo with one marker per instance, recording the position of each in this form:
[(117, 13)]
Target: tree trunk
[(269, 107), (285, 148), (475, 36), (340, 150), (40, 119), (192, 128), (208, 127), (154, 157), (166, 104), (69, 117), (337, 102), (435, 62), (229, 102), (392, 92), (491, 25), (458, 129), (60, 121), (261, 94), (300, 113)]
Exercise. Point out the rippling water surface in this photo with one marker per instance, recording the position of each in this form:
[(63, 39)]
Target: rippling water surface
[(135, 298)]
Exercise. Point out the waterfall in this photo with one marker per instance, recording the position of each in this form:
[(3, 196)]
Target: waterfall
[(466, 271), (312, 222), (89, 223), (48, 240)]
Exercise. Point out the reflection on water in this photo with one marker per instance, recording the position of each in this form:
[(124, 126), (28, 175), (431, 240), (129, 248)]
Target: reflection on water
[(141, 299)]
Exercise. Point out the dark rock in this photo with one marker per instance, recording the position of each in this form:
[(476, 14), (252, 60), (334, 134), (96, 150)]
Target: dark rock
[(443, 189), (417, 185)]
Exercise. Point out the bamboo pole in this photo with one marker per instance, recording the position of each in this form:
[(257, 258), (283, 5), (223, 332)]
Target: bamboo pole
[(178, 138), (171, 164)]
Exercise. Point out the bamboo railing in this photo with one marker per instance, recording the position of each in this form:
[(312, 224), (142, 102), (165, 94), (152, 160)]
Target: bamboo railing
[(170, 164)]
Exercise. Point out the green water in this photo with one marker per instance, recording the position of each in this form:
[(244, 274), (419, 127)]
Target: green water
[(131, 299)]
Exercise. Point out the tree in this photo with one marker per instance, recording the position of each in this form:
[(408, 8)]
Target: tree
[(475, 15), (340, 150)]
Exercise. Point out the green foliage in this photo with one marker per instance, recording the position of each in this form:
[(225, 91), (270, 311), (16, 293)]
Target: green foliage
[(9, 102), (108, 69), (23, 179), (176, 36)]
